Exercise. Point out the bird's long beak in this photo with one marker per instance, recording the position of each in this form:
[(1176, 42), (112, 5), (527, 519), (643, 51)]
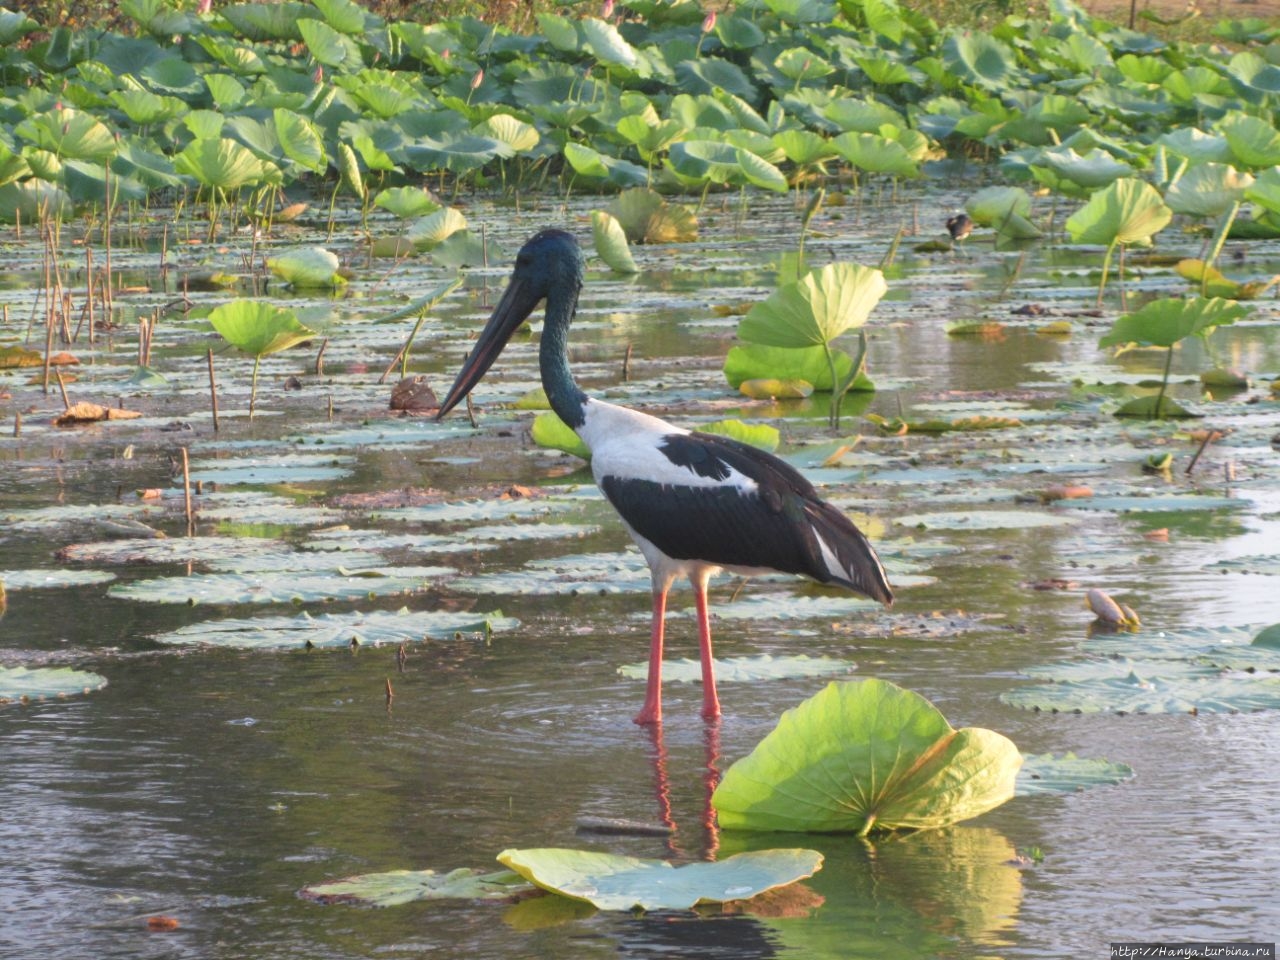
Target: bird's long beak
[(517, 302)]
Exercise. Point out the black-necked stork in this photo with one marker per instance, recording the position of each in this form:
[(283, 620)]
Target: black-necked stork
[(694, 503)]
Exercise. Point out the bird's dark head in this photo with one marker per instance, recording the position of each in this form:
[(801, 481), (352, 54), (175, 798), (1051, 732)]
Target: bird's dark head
[(548, 265)]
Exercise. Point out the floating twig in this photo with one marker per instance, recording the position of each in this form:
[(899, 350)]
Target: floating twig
[(1209, 437), (186, 492), (626, 364), (213, 389)]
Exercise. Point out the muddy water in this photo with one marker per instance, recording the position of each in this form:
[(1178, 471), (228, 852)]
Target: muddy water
[(210, 785)]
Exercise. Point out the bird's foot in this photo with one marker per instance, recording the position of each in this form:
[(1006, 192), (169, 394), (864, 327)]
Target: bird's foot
[(711, 711), (647, 716)]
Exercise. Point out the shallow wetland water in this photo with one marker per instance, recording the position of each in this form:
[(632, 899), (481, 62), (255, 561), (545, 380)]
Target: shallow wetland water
[(211, 781)]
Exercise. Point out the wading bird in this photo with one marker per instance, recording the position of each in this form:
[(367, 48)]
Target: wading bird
[(695, 504)]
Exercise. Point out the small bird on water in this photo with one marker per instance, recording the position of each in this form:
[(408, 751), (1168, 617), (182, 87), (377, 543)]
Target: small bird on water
[(695, 504)]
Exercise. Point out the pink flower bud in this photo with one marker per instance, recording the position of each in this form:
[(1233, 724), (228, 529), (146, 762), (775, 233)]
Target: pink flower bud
[(608, 10), (477, 79), (709, 22)]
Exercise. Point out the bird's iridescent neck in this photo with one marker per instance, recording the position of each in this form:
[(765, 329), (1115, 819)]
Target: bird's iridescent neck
[(564, 394)]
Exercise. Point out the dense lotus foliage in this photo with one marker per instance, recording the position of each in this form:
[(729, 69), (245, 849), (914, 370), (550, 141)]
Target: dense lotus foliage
[(772, 94)]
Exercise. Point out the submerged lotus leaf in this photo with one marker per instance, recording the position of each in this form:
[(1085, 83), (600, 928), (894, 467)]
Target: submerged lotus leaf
[(817, 308), (338, 629), (1048, 774), (985, 520), (863, 756), (742, 669), (1157, 686), (394, 887), (281, 586), (42, 578), (1128, 211), (1162, 323), (612, 882), (21, 684), (258, 328), (307, 267), (611, 242)]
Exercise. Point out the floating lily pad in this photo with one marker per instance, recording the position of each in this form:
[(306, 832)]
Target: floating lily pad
[(783, 605), (1045, 773), (40, 683), (168, 550), (461, 511), (41, 578), (1160, 686), (866, 755), (1161, 503), (1259, 563), (589, 573), (338, 629), (530, 531), (284, 468), (612, 882), (395, 887), (743, 669), (984, 520), (280, 586)]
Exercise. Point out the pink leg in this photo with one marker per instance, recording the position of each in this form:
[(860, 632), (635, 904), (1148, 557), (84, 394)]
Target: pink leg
[(651, 712), (710, 702)]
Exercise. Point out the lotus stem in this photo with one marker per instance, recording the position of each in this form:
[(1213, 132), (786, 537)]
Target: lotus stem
[(253, 388), (1106, 268), (833, 414), (1164, 383), (1219, 239)]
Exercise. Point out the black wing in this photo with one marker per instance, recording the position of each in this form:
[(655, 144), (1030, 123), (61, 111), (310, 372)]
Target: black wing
[(781, 526)]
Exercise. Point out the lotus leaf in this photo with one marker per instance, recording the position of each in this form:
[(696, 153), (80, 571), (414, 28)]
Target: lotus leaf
[(608, 45), (327, 45), (259, 328), (338, 629), (753, 361), (863, 756), (593, 163), (406, 202), (986, 520), (395, 887), (611, 242), (814, 310), (1254, 142), (743, 669), (304, 267), (1007, 209), (69, 134), (435, 228), (549, 430), (1208, 190), (220, 163), (612, 882), (979, 58), (36, 579), (1126, 212), (1048, 774), (875, 154), (1095, 169), (21, 684), (300, 139), (281, 586), (760, 435), (1162, 323)]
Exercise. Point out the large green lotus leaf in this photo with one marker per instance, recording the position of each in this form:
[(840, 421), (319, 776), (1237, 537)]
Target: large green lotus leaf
[(348, 16), (395, 887), (220, 163), (607, 43), (611, 242), (550, 431), (38, 578), (327, 45), (1097, 168), (30, 200), (406, 202), (761, 435), (281, 587), (1006, 209), (710, 161), (21, 684), (144, 107), (267, 21), (760, 172), (514, 132), (1129, 211), (338, 629), (460, 154), (1254, 141), (592, 163), (984, 520), (742, 669), (306, 267), (754, 361), (646, 217), (70, 134), (875, 154), (866, 755), (814, 310), (978, 58), (1047, 774), (258, 328), (1162, 323), (300, 138), (1158, 686), (14, 25), (1208, 190), (612, 882), (435, 228), (1265, 190), (707, 74)]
